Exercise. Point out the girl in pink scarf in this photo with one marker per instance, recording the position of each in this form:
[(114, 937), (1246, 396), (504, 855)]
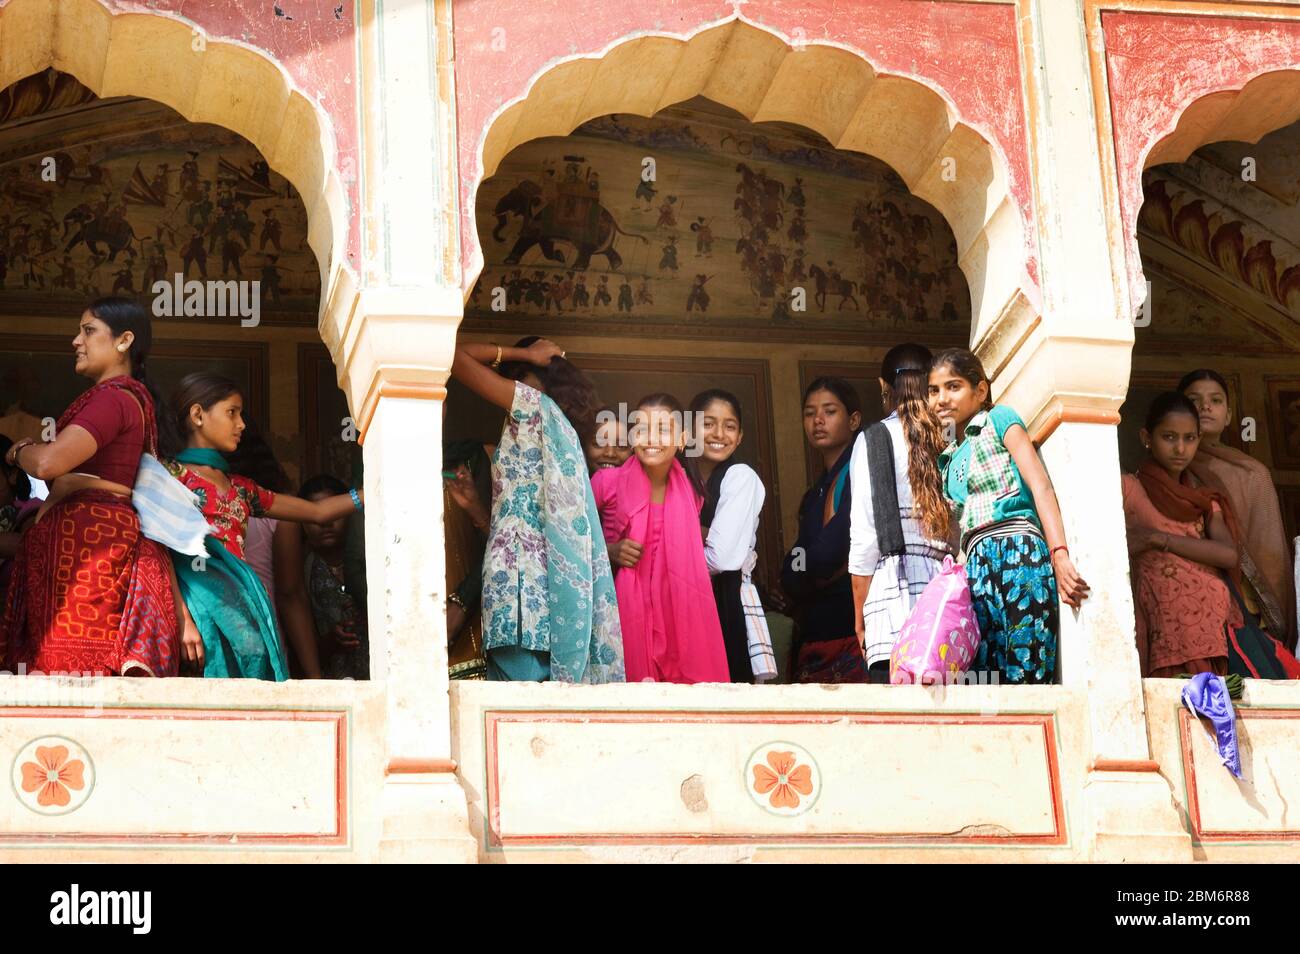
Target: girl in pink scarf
[(650, 512)]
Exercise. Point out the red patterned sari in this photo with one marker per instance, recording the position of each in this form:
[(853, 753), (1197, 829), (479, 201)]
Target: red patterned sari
[(89, 592)]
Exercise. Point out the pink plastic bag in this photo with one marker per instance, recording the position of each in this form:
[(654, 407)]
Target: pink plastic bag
[(939, 639)]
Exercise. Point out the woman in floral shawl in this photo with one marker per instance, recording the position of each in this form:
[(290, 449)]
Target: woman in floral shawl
[(549, 610)]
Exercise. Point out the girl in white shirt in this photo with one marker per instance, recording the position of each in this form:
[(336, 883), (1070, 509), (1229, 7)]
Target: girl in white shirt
[(733, 498), (886, 585)]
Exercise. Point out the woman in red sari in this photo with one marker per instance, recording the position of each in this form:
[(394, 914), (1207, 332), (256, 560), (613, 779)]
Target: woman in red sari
[(89, 593)]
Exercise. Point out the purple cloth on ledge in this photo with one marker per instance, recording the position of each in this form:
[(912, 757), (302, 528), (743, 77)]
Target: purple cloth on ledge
[(1207, 695)]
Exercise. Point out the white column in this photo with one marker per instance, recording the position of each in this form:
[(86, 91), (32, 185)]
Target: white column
[(1127, 798), (398, 349)]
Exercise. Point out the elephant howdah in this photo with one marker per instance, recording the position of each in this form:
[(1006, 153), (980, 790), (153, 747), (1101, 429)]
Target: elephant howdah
[(575, 215)]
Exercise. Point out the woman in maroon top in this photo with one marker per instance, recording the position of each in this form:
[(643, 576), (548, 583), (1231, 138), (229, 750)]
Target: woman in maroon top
[(90, 594)]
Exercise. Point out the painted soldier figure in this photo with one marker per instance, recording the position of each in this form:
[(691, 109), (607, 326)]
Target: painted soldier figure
[(645, 192), (155, 268), (602, 291), (67, 277), (123, 280), (271, 279), (581, 298), (669, 258), (698, 297), (190, 177), (230, 252), (643, 296), (515, 289), (200, 209), (270, 230), (536, 290), (159, 182), (703, 236), (798, 230), (194, 252), (241, 223), (625, 296), (261, 172), (797, 271), (561, 289), (796, 194), (667, 214)]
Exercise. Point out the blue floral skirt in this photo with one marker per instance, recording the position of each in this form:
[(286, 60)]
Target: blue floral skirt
[(1013, 590)]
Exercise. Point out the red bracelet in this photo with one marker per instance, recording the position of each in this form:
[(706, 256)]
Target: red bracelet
[(1061, 547)]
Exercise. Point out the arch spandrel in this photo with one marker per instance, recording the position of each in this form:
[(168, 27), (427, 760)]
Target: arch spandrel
[(826, 88), (155, 56)]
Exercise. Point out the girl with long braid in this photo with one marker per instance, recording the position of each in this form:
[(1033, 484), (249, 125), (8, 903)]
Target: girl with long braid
[(889, 577)]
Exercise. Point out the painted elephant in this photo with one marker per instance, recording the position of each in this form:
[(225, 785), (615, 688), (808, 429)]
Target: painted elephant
[(518, 201), (116, 233), (583, 223)]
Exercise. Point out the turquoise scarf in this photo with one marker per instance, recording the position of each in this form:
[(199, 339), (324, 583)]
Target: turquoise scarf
[(228, 603), (204, 457), (233, 613)]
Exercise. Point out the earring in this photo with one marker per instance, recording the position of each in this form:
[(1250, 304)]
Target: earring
[(121, 347)]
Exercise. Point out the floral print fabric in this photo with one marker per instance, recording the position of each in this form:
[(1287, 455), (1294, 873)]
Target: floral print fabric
[(227, 513), (547, 584), (1183, 608), (1013, 592)]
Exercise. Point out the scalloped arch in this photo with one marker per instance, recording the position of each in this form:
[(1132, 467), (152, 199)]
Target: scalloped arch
[(153, 55), (826, 88), (1264, 103)]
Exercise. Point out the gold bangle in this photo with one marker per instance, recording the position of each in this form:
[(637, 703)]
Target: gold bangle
[(18, 449), (497, 363)]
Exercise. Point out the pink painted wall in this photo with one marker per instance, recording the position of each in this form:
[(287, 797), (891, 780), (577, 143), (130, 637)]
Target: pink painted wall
[(315, 44), (1157, 65), (967, 52)]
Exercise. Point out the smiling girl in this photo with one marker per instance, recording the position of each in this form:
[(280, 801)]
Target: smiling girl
[(733, 499), (608, 446), (650, 511), (1012, 536), (230, 626)]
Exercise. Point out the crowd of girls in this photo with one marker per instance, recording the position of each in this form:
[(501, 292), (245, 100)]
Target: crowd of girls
[(99, 575), (153, 537), (639, 566)]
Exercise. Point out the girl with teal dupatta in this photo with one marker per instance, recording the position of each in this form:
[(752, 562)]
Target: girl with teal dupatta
[(549, 609), (230, 628)]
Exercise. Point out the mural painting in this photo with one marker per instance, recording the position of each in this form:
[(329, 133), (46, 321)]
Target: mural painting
[(696, 221), (102, 197)]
